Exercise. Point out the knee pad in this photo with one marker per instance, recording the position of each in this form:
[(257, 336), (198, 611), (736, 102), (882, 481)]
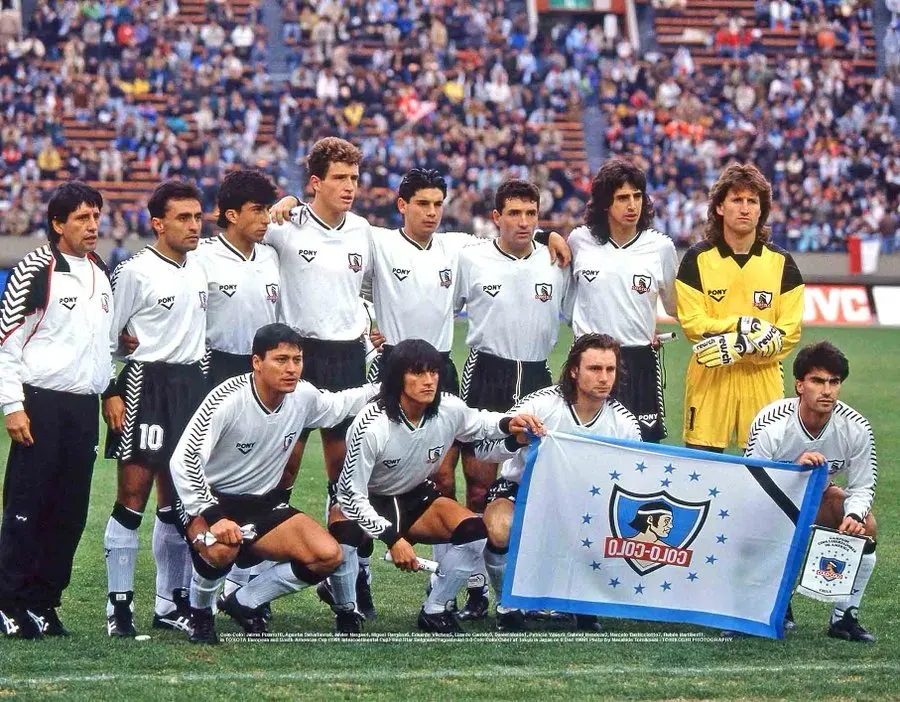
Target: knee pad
[(870, 546), (126, 517), (469, 530), (167, 515), (348, 532), (206, 570), (305, 574)]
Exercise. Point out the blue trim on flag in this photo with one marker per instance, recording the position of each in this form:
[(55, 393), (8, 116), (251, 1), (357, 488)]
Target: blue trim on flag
[(775, 626)]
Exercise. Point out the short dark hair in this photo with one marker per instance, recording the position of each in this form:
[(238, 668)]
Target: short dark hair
[(241, 187), (585, 343), (272, 335), (171, 190), (331, 150), (409, 356), (611, 176), (67, 198), (515, 188), (825, 355), (647, 512), (417, 179)]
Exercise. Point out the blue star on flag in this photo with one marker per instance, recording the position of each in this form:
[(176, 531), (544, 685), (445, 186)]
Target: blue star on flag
[(638, 589), (669, 468), (695, 476), (723, 513), (586, 519), (711, 559), (587, 543), (640, 467), (692, 577), (666, 586), (614, 583), (721, 538), (595, 565), (614, 475), (665, 483), (595, 490), (713, 492)]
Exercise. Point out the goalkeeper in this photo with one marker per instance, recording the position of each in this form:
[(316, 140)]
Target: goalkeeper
[(740, 300)]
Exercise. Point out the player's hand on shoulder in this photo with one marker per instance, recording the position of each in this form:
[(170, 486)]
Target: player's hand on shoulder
[(811, 458), (114, 413), (403, 555), (560, 253), (280, 212), (522, 423), (226, 532), (18, 425)]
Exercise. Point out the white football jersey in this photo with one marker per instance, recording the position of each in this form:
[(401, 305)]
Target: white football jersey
[(615, 288), (322, 272), (414, 286), (846, 441), (236, 445), (243, 293), (390, 458), (612, 421), (163, 304), (513, 304)]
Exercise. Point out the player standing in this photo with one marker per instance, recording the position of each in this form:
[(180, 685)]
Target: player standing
[(621, 266), (741, 299), (160, 297)]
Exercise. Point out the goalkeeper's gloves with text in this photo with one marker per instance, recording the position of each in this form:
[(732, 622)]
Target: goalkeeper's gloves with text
[(765, 338), (722, 349)]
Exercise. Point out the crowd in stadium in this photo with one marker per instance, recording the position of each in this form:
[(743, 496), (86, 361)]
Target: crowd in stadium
[(464, 90)]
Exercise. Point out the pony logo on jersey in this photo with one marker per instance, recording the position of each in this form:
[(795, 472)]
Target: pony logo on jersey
[(202, 300), (228, 290), (446, 277), (835, 466), (401, 273), (245, 447), (654, 530), (717, 295), (355, 261), (391, 462), (167, 302), (288, 440), (492, 290), (272, 293), (434, 454), (543, 292), (762, 299), (641, 284), (68, 302), (307, 254), (589, 276), (104, 302)]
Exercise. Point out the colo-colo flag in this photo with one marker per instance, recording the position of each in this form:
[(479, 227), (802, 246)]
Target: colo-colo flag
[(642, 531)]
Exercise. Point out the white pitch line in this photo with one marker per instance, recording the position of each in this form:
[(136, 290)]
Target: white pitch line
[(493, 673)]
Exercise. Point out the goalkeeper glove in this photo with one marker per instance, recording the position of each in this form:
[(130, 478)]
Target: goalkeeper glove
[(722, 349), (765, 338)]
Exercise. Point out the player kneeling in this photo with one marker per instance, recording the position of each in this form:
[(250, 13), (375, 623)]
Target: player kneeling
[(581, 402), (227, 468), (384, 492)]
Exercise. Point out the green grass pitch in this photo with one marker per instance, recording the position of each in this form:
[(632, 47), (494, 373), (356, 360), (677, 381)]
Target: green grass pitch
[(638, 660)]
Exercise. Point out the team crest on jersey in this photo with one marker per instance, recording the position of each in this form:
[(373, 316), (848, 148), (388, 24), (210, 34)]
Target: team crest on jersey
[(641, 283), (245, 447), (654, 530), (104, 302), (307, 254), (835, 466), (272, 293), (167, 302), (717, 295), (446, 277), (355, 261), (202, 300), (492, 290), (762, 299), (68, 302), (288, 440), (543, 292), (391, 462), (228, 290), (434, 454), (590, 276), (401, 273)]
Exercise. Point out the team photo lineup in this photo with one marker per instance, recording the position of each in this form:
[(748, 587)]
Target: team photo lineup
[(212, 360)]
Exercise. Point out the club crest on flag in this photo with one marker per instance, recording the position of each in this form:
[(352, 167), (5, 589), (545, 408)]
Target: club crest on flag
[(831, 568), (650, 531)]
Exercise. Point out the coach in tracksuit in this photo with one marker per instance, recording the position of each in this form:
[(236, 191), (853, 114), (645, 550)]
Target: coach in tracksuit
[(55, 318)]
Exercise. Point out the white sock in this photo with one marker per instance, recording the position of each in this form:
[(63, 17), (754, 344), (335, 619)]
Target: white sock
[(453, 570), (866, 566), (343, 580), (277, 581), (478, 578), (236, 579), (121, 545), (495, 564), (172, 556), (261, 568), (203, 591)]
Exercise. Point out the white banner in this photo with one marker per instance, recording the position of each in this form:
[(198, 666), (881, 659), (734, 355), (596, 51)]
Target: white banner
[(642, 531), (831, 565)]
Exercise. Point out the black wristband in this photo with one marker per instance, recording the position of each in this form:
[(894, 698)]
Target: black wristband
[(857, 518), (390, 536), (212, 514), (504, 424), (542, 236), (511, 444), (111, 390)]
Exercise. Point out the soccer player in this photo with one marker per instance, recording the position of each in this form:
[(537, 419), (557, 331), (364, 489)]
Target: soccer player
[(621, 266), (227, 468), (55, 358), (815, 428), (160, 297), (514, 297), (394, 445), (581, 401), (242, 274), (740, 299)]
